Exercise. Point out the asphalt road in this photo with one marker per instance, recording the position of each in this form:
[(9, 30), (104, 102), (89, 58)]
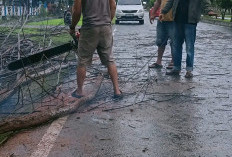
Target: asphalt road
[(159, 116)]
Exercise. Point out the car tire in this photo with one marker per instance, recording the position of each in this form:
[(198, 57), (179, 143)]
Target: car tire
[(141, 22), (116, 22)]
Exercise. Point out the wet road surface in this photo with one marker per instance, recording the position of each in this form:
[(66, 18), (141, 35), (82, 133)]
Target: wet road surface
[(159, 116)]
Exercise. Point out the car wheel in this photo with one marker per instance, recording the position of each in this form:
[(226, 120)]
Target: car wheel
[(116, 22), (141, 22)]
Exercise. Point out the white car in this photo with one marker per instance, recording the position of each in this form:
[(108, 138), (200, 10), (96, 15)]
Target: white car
[(129, 10)]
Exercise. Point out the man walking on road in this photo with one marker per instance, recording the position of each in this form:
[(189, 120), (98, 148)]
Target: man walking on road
[(163, 33), (186, 15), (95, 34)]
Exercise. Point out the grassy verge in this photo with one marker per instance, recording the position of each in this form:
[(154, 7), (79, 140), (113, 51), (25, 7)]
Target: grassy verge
[(53, 22), (56, 39), (228, 16), (25, 31), (41, 36), (56, 22), (220, 20)]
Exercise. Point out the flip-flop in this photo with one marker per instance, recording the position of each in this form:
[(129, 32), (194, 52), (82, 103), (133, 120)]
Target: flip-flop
[(188, 75), (75, 95), (155, 65), (118, 96), (170, 66)]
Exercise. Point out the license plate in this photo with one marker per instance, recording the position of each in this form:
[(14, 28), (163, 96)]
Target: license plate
[(129, 15)]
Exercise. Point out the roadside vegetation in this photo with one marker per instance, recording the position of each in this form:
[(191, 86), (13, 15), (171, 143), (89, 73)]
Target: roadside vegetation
[(223, 8), (52, 22), (227, 20), (41, 36)]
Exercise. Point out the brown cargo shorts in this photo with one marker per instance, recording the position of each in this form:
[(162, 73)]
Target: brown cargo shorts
[(98, 38)]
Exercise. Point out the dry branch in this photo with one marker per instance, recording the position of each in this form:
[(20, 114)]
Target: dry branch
[(45, 115)]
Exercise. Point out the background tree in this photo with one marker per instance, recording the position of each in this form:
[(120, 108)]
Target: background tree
[(70, 3), (151, 3), (223, 6), (230, 10)]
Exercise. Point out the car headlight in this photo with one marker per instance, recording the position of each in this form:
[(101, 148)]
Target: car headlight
[(140, 11), (118, 11)]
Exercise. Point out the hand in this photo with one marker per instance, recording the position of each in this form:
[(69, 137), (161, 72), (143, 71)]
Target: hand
[(161, 17), (72, 32), (75, 36)]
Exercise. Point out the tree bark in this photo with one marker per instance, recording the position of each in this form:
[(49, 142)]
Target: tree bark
[(44, 115)]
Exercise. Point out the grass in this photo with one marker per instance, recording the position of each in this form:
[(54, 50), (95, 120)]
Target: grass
[(211, 18), (37, 34), (25, 31), (28, 31), (62, 38), (57, 40), (53, 22), (228, 16), (56, 22)]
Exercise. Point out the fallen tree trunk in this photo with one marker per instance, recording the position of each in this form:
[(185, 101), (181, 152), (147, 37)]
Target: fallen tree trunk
[(6, 93), (44, 115)]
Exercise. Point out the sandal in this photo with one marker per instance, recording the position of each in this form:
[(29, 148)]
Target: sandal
[(170, 66), (188, 74), (155, 65), (75, 95), (118, 96)]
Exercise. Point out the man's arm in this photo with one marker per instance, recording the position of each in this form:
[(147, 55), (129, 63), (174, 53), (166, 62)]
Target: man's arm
[(166, 9), (76, 15), (155, 8), (112, 8)]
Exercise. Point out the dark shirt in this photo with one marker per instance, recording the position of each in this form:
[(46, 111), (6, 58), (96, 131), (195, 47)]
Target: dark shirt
[(182, 12)]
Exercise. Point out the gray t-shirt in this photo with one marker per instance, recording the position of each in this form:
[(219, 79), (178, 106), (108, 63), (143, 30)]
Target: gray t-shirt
[(95, 13)]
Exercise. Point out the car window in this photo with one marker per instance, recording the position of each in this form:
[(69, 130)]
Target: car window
[(129, 2)]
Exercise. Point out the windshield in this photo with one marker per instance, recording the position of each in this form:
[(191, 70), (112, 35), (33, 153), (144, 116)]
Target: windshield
[(129, 2)]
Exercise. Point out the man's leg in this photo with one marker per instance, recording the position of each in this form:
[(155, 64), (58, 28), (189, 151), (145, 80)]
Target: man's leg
[(158, 63), (81, 74), (105, 53), (87, 44), (161, 50), (177, 45), (178, 40), (112, 70), (170, 30), (190, 38), (161, 42)]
